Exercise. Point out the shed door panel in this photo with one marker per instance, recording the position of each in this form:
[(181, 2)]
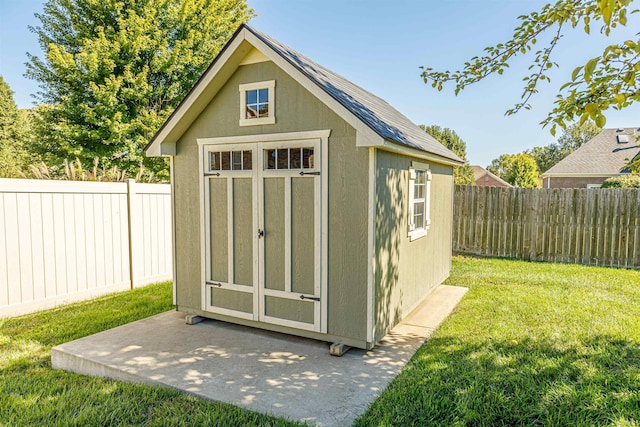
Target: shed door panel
[(289, 190), (274, 241), (303, 217), (230, 201), (219, 230)]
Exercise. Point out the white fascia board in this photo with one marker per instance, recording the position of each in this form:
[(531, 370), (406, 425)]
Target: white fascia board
[(394, 147), (363, 131), (196, 92)]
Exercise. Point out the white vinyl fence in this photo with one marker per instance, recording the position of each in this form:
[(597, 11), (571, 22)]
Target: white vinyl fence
[(64, 241)]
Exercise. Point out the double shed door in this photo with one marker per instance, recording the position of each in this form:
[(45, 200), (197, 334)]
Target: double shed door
[(262, 217)]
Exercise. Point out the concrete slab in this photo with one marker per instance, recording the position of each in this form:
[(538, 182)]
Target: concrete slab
[(259, 370)]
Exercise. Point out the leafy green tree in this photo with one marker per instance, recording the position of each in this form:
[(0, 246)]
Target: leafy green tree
[(450, 139), (523, 172), (571, 139), (624, 181), (501, 166), (519, 170), (114, 70), (609, 80), (14, 133)]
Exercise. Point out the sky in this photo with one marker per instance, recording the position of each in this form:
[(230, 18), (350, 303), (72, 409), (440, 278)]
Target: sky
[(380, 45)]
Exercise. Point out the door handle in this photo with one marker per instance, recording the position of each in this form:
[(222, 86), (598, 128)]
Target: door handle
[(260, 234), (303, 297)]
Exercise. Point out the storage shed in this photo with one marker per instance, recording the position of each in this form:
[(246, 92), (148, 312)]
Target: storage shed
[(302, 203)]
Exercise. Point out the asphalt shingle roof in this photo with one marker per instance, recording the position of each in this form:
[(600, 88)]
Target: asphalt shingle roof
[(601, 154), (375, 112)]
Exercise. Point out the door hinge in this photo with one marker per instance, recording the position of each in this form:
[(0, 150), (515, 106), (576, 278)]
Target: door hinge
[(214, 284), (212, 174), (311, 298), (303, 173)]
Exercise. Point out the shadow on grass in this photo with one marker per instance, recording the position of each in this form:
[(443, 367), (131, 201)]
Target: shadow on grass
[(451, 382)]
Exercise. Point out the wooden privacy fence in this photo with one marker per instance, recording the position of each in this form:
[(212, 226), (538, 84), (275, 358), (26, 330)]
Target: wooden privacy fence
[(63, 241), (584, 226)]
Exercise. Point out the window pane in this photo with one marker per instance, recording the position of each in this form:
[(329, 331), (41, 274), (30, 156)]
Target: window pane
[(295, 158), (263, 110), (283, 158), (236, 157), (307, 158), (420, 177), (214, 159), (271, 159), (418, 191), (418, 214), (252, 111), (263, 95), (226, 161), (252, 97), (247, 160)]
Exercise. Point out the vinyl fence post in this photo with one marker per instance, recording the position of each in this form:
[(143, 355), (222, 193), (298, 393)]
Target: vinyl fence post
[(131, 198)]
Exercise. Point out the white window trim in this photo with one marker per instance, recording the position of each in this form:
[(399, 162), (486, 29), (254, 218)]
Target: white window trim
[(413, 232), (271, 119)]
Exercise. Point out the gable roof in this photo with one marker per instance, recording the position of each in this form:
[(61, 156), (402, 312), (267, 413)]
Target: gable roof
[(377, 115), (479, 172), (602, 154)]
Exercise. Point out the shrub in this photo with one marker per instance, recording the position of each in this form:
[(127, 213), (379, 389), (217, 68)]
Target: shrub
[(624, 181)]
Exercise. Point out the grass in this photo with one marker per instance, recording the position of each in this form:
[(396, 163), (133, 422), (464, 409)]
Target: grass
[(530, 344), (33, 394)]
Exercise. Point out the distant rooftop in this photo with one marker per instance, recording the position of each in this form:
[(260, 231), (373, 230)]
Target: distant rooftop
[(606, 153)]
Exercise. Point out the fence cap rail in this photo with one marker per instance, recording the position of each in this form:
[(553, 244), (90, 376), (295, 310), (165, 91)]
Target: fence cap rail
[(14, 185)]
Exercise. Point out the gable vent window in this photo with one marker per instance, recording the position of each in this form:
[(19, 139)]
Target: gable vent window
[(419, 200), (258, 103)]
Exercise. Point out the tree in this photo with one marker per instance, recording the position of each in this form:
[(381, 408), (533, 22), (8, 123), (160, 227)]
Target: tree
[(501, 166), (114, 70), (523, 172), (14, 132), (609, 80), (519, 170), (571, 139), (450, 139)]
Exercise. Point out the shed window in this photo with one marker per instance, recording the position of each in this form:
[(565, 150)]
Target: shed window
[(289, 158), (419, 200), (230, 160), (257, 103)]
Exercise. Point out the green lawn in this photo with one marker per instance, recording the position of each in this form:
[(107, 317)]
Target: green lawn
[(530, 344)]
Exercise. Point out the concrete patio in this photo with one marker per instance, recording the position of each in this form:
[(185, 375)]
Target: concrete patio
[(262, 371)]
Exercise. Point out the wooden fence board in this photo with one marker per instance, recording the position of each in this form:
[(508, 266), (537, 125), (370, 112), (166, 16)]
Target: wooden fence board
[(593, 227)]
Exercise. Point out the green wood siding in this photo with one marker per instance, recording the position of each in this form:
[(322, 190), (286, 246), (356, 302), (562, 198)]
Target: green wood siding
[(406, 271), (296, 111), (232, 300), (299, 311), (219, 230), (302, 235), (243, 231), (274, 237)]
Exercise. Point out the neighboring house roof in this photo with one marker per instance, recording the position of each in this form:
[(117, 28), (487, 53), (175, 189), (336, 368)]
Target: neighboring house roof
[(384, 120), (480, 172), (605, 154)]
